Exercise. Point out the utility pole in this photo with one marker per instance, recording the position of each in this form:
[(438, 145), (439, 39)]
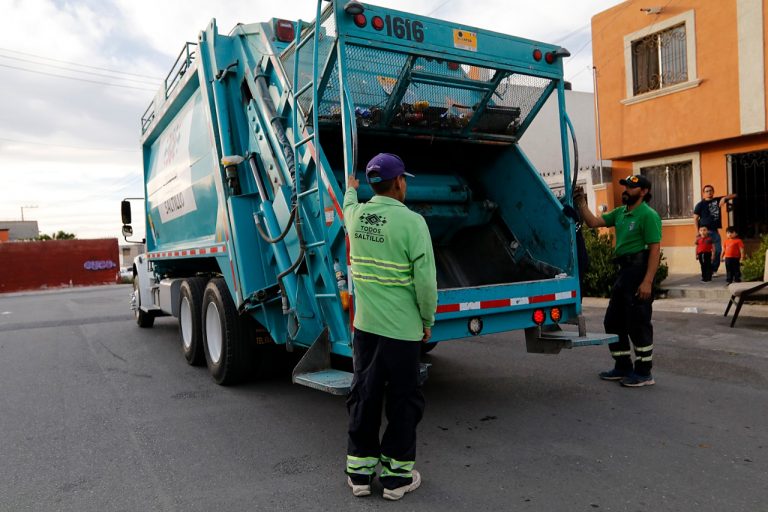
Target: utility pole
[(597, 122), (22, 210)]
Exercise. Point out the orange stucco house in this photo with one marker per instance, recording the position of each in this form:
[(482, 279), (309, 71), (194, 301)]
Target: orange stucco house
[(681, 99)]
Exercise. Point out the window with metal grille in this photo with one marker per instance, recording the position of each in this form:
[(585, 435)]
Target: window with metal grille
[(660, 60), (671, 189)]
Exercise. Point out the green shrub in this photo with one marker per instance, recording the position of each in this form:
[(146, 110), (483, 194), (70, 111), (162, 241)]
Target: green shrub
[(753, 266), (599, 279)]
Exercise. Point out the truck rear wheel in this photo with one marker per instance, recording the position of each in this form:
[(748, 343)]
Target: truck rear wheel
[(191, 320), (225, 344), (143, 318)]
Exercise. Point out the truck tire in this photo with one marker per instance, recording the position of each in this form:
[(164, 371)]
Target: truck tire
[(191, 320), (144, 319), (225, 343)]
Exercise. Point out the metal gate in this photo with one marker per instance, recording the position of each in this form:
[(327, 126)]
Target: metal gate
[(749, 179)]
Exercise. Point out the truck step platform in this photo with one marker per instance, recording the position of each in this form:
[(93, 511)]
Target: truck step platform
[(339, 382), (335, 382), (552, 339), (568, 339)]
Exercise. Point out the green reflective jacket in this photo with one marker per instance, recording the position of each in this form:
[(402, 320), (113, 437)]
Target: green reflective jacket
[(393, 267)]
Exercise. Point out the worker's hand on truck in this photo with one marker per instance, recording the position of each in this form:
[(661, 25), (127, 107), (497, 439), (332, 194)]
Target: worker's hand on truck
[(579, 197), (427, 334), (352, 182)]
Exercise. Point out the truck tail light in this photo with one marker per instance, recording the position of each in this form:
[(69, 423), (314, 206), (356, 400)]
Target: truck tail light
[(377, 23), (539, 316), (549, 57), (555, 314), (285, 31), (360, 20), (537, 55)]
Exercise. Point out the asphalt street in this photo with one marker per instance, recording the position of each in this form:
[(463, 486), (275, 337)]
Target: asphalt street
[(99, 415)]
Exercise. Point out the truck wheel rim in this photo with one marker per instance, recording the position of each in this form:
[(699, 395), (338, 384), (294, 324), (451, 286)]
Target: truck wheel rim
[(213, 333), (185, 317)]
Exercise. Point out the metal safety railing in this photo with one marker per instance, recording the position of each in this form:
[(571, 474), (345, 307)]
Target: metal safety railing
[(173, 78)]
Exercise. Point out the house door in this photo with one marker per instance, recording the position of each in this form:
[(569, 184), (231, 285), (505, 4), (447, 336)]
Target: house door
[(749, 181)]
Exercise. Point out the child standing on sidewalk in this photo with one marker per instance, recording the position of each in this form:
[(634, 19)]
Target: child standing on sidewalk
[(733, 253), (704, 251)]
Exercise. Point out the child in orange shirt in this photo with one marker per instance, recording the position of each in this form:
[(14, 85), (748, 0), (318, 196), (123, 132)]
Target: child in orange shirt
[(733, 253)]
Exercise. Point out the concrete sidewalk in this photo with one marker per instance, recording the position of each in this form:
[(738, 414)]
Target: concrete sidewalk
[(689, 286), (686, 294)]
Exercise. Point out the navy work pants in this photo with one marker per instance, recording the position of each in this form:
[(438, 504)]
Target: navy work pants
[(386, 376), (630, 318)]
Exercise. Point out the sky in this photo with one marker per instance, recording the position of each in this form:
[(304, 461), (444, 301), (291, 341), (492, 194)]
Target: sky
[(76, 76)]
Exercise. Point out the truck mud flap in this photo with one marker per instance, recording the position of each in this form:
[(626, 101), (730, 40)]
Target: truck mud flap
[(552, 339)]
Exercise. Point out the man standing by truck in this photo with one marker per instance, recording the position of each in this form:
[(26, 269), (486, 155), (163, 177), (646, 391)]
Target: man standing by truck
[(637, 252), (395, 290)]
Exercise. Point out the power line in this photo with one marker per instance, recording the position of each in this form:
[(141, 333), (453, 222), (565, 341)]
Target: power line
[(138, 80), (607, 24), (77, 63), (79, 79), (43, 143), (572, 33), (433, 11)]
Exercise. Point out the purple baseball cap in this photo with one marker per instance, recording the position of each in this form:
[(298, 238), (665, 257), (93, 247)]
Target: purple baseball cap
[(387, 165)]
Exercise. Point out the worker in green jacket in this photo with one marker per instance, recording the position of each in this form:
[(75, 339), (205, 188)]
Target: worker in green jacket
[(395, 291)]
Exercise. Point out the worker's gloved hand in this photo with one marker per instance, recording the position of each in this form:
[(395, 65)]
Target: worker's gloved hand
[(427, 334), (579, 197), (352, 182)]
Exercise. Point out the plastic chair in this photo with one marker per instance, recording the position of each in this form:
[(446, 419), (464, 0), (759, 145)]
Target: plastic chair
[(746, 291)]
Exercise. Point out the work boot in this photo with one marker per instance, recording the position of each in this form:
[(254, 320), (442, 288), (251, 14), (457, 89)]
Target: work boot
[(614, 374), (359, 490), (635, 381), (396, 494)]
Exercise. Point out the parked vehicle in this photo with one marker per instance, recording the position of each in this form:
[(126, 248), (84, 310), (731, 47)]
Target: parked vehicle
[(124, 275), (246, 152)]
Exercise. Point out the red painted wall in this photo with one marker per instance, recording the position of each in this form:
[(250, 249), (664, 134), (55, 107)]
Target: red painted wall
[(55, 263)]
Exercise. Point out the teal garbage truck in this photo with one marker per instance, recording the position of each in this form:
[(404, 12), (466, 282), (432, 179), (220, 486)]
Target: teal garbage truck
[(246, 150)]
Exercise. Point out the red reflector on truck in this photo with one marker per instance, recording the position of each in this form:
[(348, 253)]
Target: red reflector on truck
[(360, 20), (284, 31), (539, 316)]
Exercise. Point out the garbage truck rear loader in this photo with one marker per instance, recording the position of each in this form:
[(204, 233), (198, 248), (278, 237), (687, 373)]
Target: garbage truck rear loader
[(246, 152)]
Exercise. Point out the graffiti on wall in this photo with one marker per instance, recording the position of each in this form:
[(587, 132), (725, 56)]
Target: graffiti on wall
[(99, 265)]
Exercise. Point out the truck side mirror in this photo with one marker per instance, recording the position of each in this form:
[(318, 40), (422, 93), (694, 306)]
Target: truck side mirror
[(125, 212), (127, 231)]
